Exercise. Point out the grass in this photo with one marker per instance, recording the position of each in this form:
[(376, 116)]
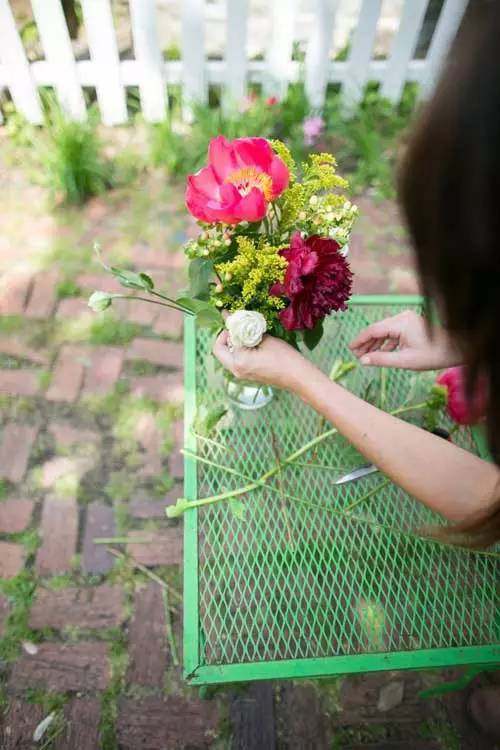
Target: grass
[(20, 592), (71, 153), (108, 329), (109, 698), (11, 324), (4, 489), (44, 379), (439, 729), (67, 288)]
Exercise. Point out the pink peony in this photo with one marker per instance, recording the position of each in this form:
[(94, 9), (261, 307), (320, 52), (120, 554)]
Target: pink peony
[(241, 178), (458, 407), (271, 101), (317, 281)]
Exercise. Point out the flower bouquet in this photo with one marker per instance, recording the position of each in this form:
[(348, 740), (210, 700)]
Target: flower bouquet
[(271, 251)]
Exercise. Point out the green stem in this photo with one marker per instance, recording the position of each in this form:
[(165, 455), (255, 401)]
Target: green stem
[(284, 511), (405, 409), (255, 483), (334, 511), (172, 302), (169, 629), (306, 465), (263, 478), (155, 302), (147, 572), (368, 495), (383, 387), (122, 540)]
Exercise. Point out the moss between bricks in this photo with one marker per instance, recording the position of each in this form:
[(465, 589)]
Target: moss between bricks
[(440, 730), (67, 288), (19, 591)]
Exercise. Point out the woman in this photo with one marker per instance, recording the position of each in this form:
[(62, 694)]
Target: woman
[(449, 190)]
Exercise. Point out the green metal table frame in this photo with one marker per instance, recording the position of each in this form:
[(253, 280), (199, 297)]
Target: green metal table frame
[(222, 663)]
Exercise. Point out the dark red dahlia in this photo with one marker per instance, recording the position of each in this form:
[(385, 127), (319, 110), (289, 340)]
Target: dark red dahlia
[(317, 281)]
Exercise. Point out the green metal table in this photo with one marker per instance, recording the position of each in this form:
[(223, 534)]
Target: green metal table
[(295, 588)]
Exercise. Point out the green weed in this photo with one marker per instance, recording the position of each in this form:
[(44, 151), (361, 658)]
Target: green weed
[(109, 698), (107, 329), (20, 592), (44, 379), (439, 729), (67, 288), (365, 141), (11, 323), (71, 154), (4, 489)]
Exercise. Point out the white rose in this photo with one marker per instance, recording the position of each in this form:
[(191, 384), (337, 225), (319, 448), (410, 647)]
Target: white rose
[(246, 328)]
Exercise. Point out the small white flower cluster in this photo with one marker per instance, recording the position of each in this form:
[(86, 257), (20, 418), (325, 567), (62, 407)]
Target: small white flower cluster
[(246, 328), (329, 220), (212, 241)]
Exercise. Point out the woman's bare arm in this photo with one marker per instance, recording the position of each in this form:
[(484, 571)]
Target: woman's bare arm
[(441, 475)]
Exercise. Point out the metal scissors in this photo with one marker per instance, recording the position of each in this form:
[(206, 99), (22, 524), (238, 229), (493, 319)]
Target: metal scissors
[(367, 469)]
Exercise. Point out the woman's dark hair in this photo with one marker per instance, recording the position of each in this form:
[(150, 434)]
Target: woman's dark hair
[(449, 188)]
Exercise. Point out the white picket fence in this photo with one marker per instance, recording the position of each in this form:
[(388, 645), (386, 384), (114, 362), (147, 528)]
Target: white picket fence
[(152, 75)]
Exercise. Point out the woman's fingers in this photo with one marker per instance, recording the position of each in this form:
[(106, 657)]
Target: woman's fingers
[(383, 329), (382, 358), (221, 351), (383, 343)]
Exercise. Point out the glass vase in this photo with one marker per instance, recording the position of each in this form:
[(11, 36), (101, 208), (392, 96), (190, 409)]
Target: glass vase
[(247, 395)]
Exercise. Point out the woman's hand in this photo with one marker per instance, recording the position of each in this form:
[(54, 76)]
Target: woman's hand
[(403, 341), (273, 362)]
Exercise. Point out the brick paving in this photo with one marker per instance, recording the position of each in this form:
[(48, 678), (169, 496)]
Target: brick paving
[(82, 447)]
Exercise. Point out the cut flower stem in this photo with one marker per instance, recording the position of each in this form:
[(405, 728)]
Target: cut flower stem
[(177, 510), (340, 513)]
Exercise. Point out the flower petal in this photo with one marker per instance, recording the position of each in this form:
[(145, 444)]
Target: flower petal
[(205, 182), (279, 175), (253, 152), (221, 157), (251, 207), (195, 203), (277, 289)]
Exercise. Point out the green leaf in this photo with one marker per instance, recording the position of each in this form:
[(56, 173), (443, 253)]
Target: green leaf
[(340, 369), (207, 316), (147, 280), (312, 337), (237, 508), (133, 280), (207, 420), (200, 274), (175, 511)]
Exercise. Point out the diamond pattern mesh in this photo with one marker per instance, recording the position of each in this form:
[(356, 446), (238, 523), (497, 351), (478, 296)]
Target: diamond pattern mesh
[(292, 580)]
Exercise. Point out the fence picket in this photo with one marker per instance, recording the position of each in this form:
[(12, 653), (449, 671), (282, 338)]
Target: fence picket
[(193, 55), (403, 48), (279, 55), (16, 67), (236, 52), (361, 52), (447, 26), (59, 55), (149, 59), (318, 51), (104, 55)]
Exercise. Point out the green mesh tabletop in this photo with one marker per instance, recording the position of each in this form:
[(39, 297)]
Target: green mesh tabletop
[(293, 589)]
